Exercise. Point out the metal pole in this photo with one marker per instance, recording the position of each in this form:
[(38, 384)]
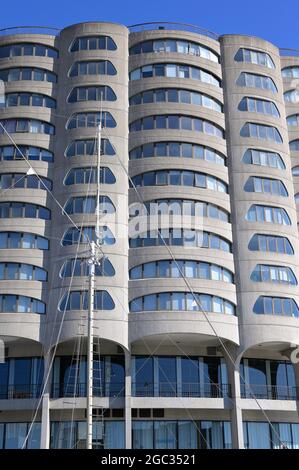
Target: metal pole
[(89, 403), (91, 293), (99, 235)]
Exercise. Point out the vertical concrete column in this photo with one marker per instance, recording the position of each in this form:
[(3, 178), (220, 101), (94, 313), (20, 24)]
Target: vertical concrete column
[(45, 429), (45, 406), (128, 393), (296, 369), (233, 371)]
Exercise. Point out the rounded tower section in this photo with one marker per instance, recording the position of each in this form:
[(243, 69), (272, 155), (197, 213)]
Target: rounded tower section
[(290, 77), (28, 73), (264, 213), (93, 90), (178, 163)]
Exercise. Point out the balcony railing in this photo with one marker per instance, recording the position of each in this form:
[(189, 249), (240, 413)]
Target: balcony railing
[(289, 52), (60, 390), (269, 392), (286, 445), (189, 390), (19, 391), (48, 30), (160, 25)]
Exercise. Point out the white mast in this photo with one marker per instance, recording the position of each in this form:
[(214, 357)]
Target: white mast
[(91, 294)]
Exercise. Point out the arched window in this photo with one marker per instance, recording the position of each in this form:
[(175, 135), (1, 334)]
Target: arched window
[(92, 67), (87, 175), (270, 243), (181, 301), (295, 171), (177, 149), (22, 180), (23, 210), (78, 300), (21, 271), (256, 184), (87, 205), (175, 71), (291, 96), (181, 237), (176, 95), (179, 268), (80, 148), (87, 234), (81, 267), (293, 120), (182, 207), (252, 80), (91, 93), (91, 119), (253, 56), (276, 306), (179, 178), (27, 73), (93, 43), (33, 126), (21, 304), (261, 132), (23, 240), (9, 152), (274, 274), (174, 45), (270, 214), (294, 145), (27, 49), (29, 99), (173, 121), (255, 105), (290, 72), (263, 158)]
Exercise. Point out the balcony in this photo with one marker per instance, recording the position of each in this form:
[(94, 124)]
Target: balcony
[(20, 391), (60, 390), (185, 390), (269, 392)]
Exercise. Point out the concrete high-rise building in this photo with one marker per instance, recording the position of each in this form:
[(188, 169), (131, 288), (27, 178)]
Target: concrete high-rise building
[(196, 325)]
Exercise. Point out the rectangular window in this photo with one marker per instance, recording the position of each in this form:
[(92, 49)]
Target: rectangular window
[(173, 122), (186, 123), (185, 96), (183, 71), (160, 96), (161, 178)]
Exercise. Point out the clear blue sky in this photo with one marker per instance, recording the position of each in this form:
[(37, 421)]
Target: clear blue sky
[(272, 20)]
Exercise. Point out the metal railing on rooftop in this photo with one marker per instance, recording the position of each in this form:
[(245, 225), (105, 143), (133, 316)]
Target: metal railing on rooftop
[(289, 52), (167, 25), (48, 30)]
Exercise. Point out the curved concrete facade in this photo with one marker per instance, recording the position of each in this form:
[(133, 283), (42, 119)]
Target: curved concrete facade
[(256, 329), (183, 75), (152, 193)]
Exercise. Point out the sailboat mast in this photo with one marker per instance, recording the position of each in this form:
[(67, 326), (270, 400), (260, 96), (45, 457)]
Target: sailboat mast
[(91, 298)]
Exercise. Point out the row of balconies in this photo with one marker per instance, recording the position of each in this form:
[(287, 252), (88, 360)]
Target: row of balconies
[(147, 390)]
